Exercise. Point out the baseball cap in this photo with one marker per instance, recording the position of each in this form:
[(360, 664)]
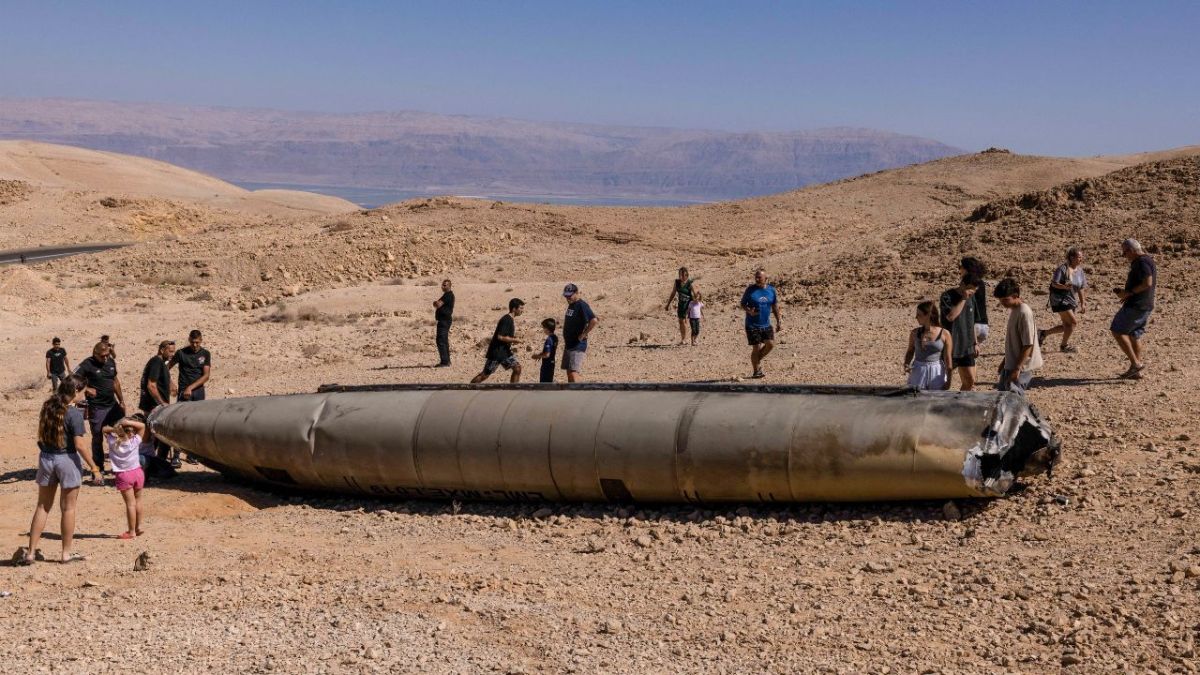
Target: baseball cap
[(569, 290)]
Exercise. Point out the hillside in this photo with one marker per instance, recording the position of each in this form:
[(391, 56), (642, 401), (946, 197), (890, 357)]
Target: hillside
[(442, 154), (56, 194)]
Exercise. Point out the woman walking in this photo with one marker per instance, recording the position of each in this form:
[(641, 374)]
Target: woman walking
[(927, 360), (683, 292), (60, 439), (1067, 296)]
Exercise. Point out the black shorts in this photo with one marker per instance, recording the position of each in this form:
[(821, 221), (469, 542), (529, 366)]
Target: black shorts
[(757, 336), (1056, 308), (964, 361)]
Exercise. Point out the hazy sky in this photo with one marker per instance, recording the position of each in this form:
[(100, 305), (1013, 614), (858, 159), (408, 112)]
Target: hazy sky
[(1052, 78)]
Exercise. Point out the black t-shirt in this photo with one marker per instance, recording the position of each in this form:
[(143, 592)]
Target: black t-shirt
[(58, 360), (579, 315), (156, 371), (446, 311), (1140, 269), (101, 377), (499, 350), (981, 303), (191, 364), (962, 329)]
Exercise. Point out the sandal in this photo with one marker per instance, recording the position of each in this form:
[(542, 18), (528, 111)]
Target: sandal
[(74, 557), (126, 535)]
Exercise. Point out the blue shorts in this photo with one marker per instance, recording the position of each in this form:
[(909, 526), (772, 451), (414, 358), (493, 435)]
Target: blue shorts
[(1131, 321)]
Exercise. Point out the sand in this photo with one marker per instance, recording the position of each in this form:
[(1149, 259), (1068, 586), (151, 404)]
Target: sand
[(1096, 568)]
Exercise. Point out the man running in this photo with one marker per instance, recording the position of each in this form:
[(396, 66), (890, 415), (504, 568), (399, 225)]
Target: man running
[(106, 402), (958, 309), (57, 364), (156, 387), (443, 312), (1022, 353), (195, 365), (499, 352), (683, 288), (578, 323), (1137, 302), (759, 302)]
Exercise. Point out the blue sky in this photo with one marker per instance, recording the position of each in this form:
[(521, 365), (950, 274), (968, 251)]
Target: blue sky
[(1074, 78)]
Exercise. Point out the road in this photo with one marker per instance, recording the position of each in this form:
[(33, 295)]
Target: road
[(44, 253)]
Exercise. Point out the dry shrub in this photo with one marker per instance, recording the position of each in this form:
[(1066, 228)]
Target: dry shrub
[(339, 226), (310, 349), (202, 296)]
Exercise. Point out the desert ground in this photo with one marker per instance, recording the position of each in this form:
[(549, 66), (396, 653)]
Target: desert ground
[(1093, 569)]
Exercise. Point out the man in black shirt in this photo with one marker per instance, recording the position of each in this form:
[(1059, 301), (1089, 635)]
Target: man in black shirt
[(443, 312), (499, 353), (958, 312), (1137, 302), (156, 387), (106, 402), (156, 378), (195, 365), (57, 364)]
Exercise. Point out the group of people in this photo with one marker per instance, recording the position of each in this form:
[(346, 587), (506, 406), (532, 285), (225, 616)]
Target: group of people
[(946, 339), (578, 323), (93, 392), (759, 302)]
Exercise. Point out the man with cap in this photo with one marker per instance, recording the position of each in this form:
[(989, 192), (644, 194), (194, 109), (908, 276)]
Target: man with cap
[(57, 364), (580, 321), (1137, 302)]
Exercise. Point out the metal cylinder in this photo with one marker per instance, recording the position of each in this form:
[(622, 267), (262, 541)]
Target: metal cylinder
[(606, 442)]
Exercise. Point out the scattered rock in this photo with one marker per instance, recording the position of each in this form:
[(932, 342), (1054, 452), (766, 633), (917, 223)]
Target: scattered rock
[(143, 562), (950, 511)]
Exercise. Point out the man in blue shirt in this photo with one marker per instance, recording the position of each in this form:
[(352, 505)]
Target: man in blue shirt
[(760, 302), (578, 323)]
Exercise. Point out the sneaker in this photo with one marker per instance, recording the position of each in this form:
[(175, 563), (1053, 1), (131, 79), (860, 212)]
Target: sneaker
[(175, 463), (1069, 349), (758, 374)]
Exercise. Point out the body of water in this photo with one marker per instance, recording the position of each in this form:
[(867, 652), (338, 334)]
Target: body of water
[(370, 198)]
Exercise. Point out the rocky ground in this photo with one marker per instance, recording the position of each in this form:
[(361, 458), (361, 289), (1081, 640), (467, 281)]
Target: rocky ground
[(1095, 568)]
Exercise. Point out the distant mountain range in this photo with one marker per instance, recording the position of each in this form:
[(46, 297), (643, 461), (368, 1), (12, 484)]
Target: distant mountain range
[(450, 154)]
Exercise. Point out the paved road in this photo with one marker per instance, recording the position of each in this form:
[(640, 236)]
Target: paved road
[(44, 253)]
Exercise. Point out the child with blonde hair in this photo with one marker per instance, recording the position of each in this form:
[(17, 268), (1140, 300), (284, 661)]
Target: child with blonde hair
[(125, 440)]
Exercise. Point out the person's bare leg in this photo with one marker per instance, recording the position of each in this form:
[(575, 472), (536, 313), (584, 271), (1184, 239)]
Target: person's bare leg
[(41, 512), (572, 376), (1125, 342), (765, 349), (1136, 343), (683, 330), (137, 500), (516, 375), (755, 357), (1068, 326), (966, 376), (479, 378), (130, 511), (67, 505)]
